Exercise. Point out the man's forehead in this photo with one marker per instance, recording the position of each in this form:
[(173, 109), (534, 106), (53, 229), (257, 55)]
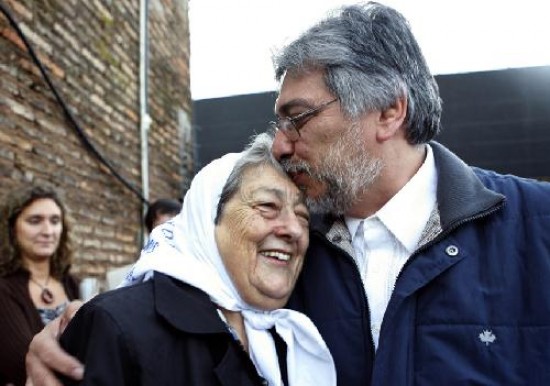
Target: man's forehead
[(300, 88)]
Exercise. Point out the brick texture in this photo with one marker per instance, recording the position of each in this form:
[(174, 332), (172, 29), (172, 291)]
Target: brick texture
[(91, 52)]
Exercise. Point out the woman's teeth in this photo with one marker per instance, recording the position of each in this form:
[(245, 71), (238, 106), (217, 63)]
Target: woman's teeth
[(277, 255)]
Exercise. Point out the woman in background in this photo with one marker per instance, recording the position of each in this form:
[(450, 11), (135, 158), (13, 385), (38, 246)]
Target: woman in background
[(35, 286)]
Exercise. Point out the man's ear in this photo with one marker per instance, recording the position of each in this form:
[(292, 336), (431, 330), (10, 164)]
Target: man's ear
[(391, 119)]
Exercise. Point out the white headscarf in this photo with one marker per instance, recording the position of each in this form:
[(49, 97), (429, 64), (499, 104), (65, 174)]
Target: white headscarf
[(185, 249)]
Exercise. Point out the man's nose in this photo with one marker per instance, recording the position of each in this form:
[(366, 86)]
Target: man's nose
[(282, 146)]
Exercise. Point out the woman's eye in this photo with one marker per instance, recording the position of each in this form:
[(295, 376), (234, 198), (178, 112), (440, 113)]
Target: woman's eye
[(268, 207), (304, 216)]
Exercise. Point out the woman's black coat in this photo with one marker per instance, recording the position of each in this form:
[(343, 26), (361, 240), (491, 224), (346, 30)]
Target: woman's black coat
[(160, 332)]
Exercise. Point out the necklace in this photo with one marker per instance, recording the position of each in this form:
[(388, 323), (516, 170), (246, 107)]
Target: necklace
[(46, 295)]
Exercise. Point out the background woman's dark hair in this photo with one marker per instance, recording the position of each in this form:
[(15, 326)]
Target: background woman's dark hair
[(11, 207)]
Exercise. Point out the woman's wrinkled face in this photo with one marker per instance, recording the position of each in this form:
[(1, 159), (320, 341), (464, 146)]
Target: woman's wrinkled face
[(38, 229), (262, 237)]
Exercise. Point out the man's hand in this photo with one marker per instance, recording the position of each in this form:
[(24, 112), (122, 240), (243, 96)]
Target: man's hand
[(45, 356)]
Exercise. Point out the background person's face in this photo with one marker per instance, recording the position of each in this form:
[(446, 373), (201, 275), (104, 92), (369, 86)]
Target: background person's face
[(263, 236), (38, 229)]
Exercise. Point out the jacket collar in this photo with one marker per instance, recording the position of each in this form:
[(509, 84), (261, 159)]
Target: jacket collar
[(185, 307), (460, 193)]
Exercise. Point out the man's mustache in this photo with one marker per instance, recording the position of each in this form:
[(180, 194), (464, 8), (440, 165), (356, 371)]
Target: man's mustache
[(295, 167)]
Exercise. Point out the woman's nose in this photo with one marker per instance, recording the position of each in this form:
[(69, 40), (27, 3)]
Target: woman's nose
[(282, 146), (47, 228), (290, 227)]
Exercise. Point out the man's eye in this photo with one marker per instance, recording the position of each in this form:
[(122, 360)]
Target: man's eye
[(297, 117), (301, 119)]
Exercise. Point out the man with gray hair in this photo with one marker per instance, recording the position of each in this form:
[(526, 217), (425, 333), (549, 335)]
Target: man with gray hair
[(421, 270)]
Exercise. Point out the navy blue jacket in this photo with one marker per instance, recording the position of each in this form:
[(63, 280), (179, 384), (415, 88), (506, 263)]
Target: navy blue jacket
[(470, 307)]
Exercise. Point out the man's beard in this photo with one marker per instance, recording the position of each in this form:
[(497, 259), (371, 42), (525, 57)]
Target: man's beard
[(346, 171)]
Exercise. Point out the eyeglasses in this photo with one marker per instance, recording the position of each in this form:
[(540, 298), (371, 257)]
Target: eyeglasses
[(291, 126)]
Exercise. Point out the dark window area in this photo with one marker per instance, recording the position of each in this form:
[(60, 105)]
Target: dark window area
[(497, 120)]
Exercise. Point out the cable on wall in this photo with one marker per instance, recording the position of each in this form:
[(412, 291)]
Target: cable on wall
[(70, 117)]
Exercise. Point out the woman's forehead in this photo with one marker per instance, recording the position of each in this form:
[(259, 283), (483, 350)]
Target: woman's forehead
[(266, 179), (266, 176), (42, 205)]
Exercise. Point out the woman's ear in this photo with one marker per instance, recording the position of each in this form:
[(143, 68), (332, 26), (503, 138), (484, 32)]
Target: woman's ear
[(391, 119)]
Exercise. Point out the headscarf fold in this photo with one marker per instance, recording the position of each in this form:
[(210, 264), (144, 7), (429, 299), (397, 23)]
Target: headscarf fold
[(185, 249)]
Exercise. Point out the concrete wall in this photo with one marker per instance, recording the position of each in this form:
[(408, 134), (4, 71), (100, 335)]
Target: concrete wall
[(91, 52)]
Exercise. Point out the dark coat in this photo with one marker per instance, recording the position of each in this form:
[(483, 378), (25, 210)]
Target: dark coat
[(19, 322), (160, 332), (470, 307)]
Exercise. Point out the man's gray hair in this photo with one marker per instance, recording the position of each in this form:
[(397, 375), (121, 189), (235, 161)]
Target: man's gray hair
[(370, 59), (257, 153)]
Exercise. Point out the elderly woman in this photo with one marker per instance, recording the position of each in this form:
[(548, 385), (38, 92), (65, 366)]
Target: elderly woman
[(203, 303), (35, 285)]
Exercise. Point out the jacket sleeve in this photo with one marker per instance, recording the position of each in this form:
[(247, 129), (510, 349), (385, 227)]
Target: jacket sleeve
[(98, 341), (15, 336)]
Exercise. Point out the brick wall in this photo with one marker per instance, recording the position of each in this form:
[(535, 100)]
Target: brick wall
[(91, 52)]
